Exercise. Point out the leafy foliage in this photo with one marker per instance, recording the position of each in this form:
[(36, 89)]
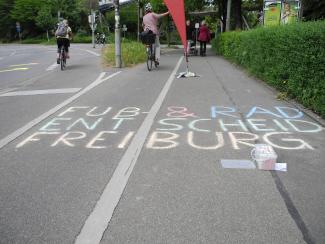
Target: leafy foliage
[(291, 58), (44, 19), (7, 25), (132, 53), (313, 9), (25, 11)]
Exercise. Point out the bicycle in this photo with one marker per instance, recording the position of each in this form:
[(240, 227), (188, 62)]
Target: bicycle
[(100, 40), (148, 38), (151, 57), (63, 58)]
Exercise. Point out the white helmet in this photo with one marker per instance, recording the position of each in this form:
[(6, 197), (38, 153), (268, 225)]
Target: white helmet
[(148, 7)]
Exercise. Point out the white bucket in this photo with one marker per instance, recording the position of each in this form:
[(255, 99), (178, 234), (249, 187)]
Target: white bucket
[(265, 156)]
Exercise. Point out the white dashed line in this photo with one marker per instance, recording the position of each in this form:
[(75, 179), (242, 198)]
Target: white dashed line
[(52, 67)]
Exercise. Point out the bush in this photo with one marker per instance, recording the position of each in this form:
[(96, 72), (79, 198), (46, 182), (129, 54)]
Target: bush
[(290, 58), (82, 38), (132, 53)]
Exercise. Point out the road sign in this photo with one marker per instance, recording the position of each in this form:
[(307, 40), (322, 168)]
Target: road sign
[(92, 21)]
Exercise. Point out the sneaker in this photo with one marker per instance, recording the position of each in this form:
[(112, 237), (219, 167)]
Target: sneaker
[(156, 63), (58, 61)]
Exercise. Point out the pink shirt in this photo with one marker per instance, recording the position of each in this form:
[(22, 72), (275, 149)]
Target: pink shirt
[(150, 22)]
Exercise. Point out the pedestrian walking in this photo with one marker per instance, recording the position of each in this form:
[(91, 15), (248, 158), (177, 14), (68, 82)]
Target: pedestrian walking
[(204, 37)]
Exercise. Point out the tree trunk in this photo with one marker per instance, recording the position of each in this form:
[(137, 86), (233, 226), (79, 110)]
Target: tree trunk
[(222, 6), (238, 14), (47, 35), (228, 15)]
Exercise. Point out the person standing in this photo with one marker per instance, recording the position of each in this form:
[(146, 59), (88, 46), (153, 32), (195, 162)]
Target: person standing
[(150, 22), (189, 35), (204, 38)]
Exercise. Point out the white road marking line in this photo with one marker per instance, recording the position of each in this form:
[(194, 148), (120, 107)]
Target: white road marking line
[(17, 65), (40, 92), (11, 70), (98, 221), (237, 164), (36, 121), (7, 90), (52, 67), (13, 53), (91, 52)]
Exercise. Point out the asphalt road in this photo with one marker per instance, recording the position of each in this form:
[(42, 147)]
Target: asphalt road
[(100, 155)]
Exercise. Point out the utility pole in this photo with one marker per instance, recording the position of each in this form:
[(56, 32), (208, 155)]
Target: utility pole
[(118, 60), (228, 15), (138, 20)]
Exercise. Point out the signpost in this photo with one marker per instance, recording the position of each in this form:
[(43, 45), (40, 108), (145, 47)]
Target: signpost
[(93, 25), (124, 29)]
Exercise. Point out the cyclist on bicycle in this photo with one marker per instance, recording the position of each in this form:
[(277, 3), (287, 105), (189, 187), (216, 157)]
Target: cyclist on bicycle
[(103, 38), (150, 22), (63, 35), (98, 38)]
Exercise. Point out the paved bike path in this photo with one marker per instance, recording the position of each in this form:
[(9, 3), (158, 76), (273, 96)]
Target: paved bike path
[(53, 177)]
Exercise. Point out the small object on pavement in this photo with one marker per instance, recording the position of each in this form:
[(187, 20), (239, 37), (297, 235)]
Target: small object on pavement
[(265, 157)]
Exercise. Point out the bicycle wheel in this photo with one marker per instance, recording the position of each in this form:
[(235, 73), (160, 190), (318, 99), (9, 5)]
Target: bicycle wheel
[(154, 60), (149, 58), (62, 59)]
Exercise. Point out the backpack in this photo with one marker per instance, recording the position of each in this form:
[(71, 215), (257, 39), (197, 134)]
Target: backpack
[(62, 30), (147, 37)]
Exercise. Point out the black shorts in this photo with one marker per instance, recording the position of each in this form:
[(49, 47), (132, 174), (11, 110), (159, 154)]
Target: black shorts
[(63, 42)]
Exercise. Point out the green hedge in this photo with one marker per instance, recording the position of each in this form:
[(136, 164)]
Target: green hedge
[(290, 58), (133, 53)]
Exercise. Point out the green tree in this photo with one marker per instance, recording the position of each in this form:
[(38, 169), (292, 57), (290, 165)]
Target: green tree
[(70, 10), (25, 11), (313, 9), (7, 24), (45, 20)]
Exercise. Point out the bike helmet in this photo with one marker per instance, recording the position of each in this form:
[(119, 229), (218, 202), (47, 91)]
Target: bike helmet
[(148, 7)]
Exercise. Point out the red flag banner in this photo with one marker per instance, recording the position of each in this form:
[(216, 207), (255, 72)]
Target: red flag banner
[(177, 10)]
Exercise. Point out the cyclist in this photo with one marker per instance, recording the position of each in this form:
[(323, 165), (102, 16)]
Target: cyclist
[(103, 38), (63, 35), (150, 22), (98, 38)]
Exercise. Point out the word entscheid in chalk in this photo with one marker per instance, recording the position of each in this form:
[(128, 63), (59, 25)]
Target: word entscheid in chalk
[(106, 127)]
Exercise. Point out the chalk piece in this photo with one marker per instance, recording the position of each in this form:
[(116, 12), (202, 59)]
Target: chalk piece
[(281, 167), (237, 164)]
